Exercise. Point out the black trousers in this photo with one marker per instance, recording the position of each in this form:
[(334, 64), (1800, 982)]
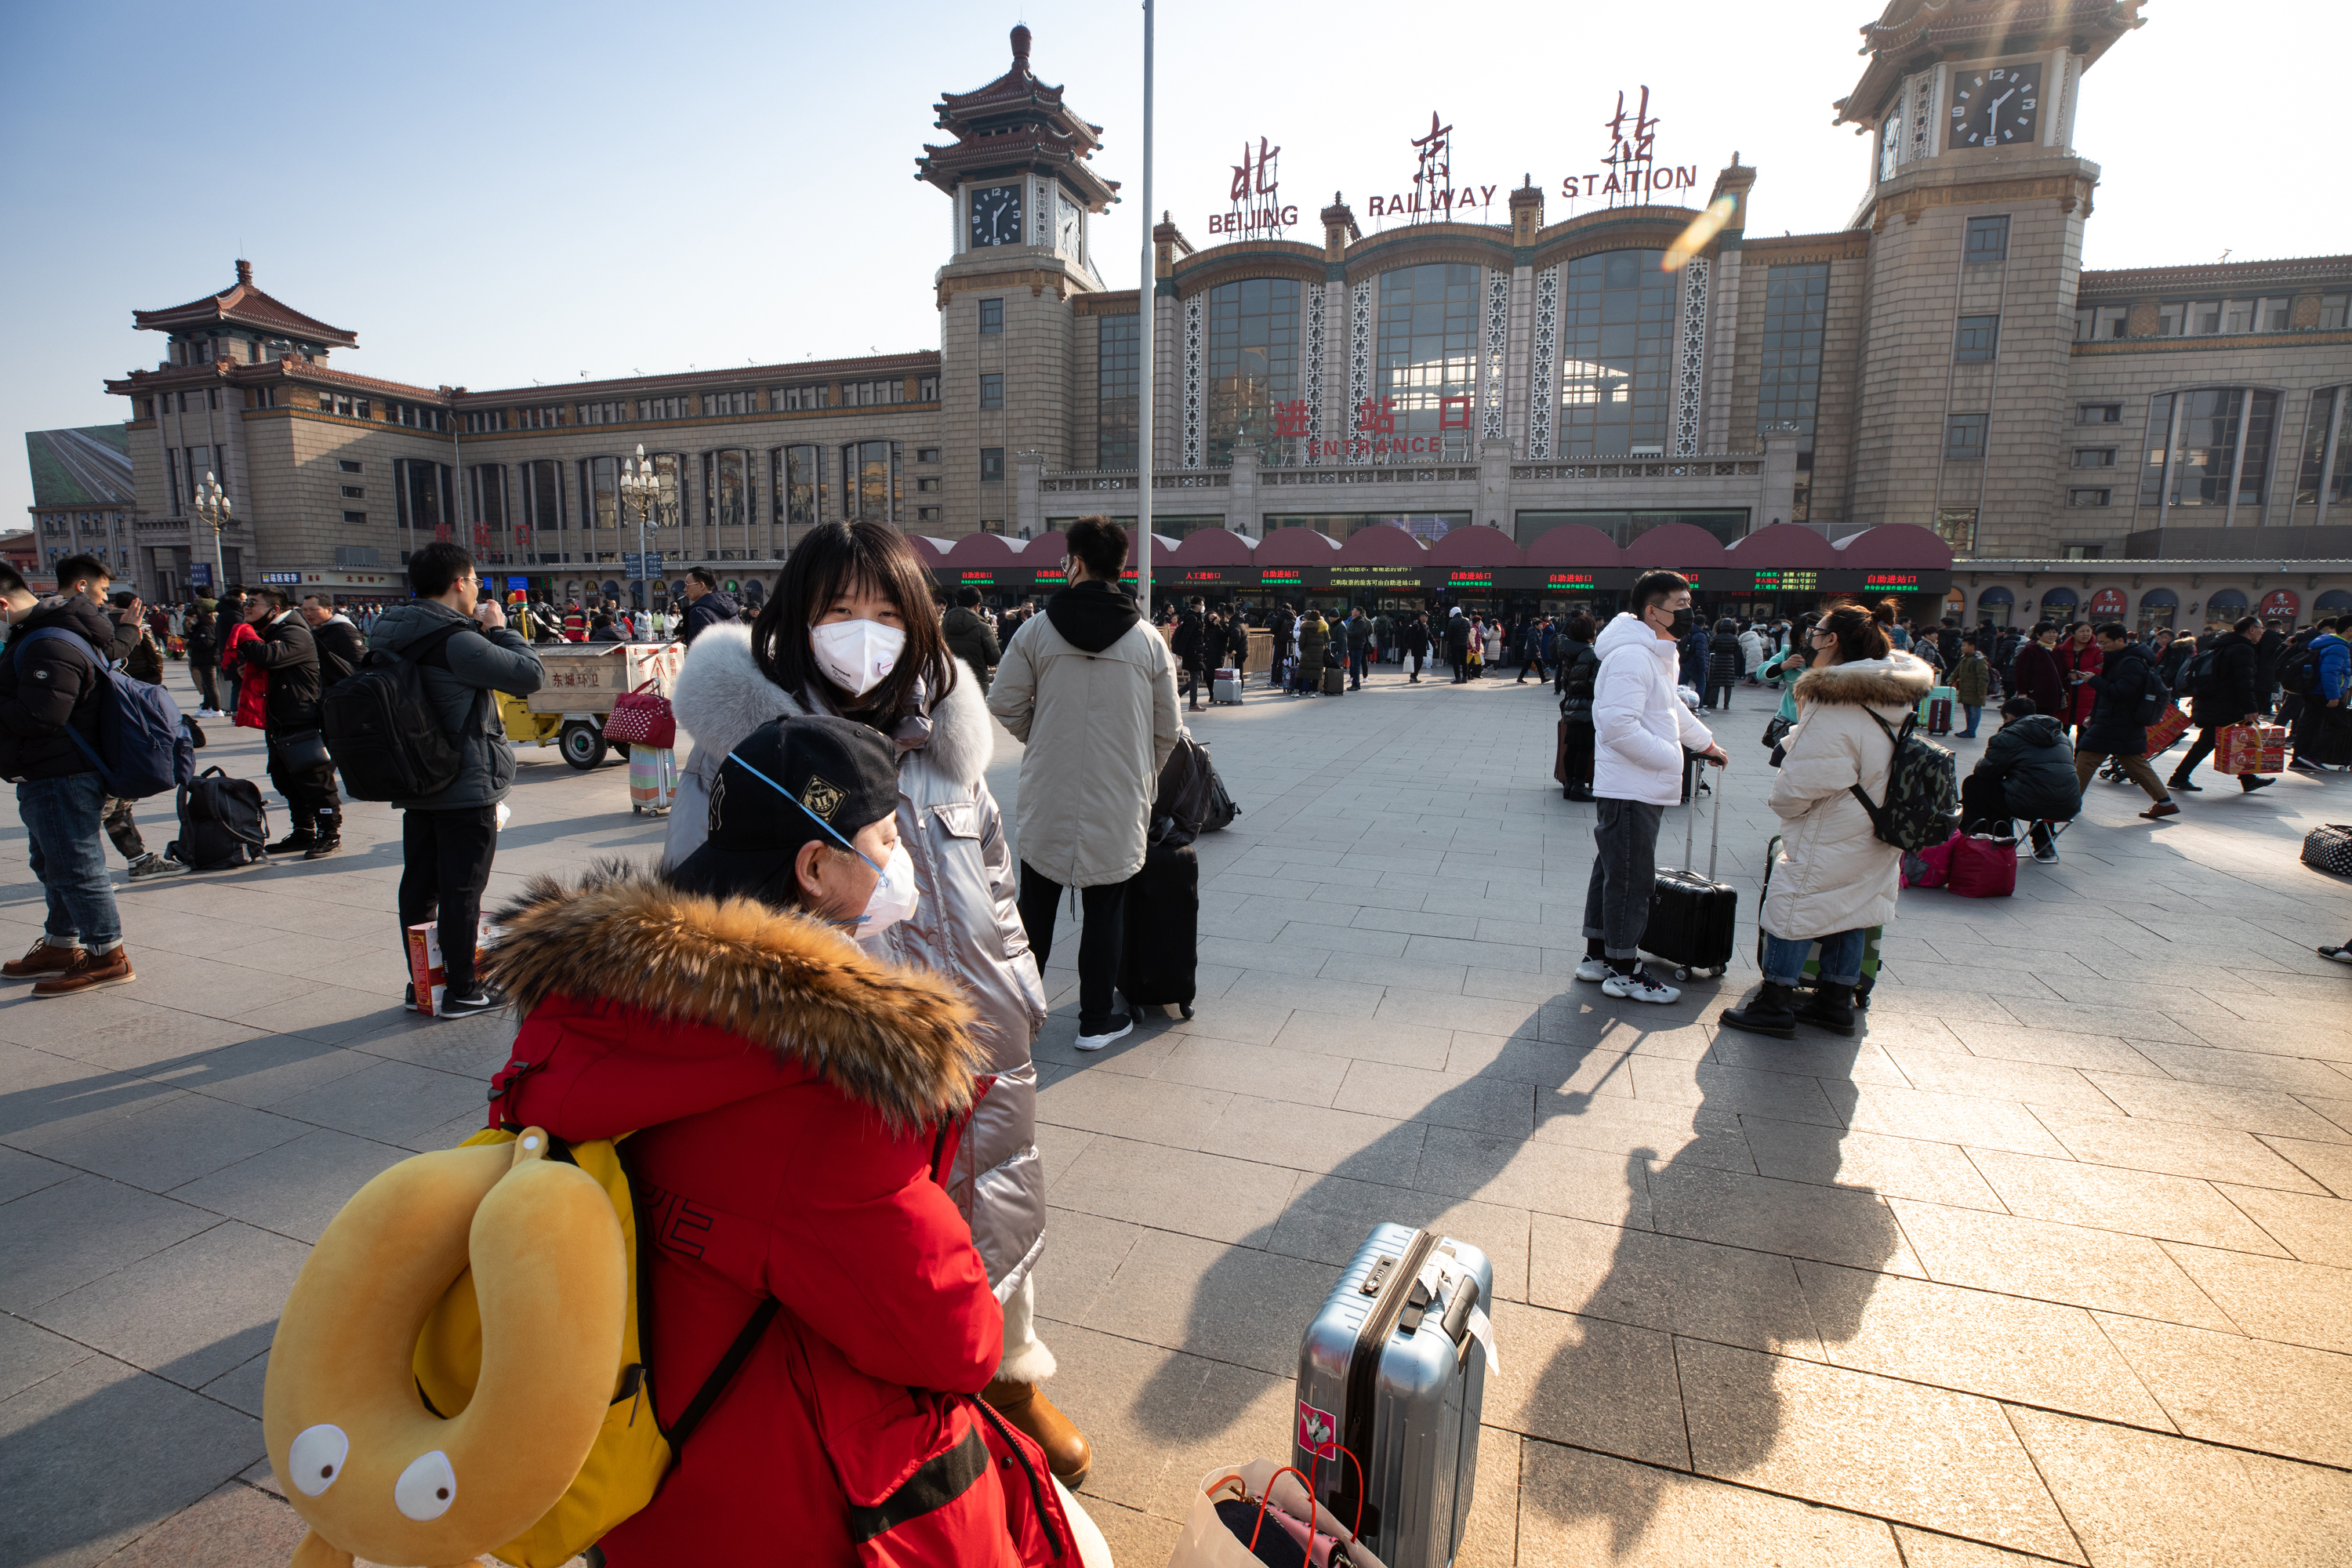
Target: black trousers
[(1984, 807), (445, 865), (310, 798), (2205, 741), (207, 674), (1098, 939)]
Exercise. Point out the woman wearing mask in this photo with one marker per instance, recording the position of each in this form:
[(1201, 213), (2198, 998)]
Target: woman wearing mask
[(1834, 879), (850, 632)]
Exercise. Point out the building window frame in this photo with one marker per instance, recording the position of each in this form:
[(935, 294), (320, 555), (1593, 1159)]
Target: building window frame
[(1977, 340), (991, 465), (992, 318), (1965, 436), (992, 389), (1988, 239)]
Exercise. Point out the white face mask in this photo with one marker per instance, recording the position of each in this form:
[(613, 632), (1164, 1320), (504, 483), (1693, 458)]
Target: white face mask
[(894, 897), (856, 655)]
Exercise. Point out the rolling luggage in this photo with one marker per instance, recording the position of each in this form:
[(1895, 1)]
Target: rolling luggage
[(1391, 1376), (1691, 916), (1812, 976), (1335, 681), (1939, 699), (1226, 686), (1160, 930)]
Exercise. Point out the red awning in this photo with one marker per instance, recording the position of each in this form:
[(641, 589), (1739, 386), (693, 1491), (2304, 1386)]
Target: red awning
[(1476, 545), (1383, 544)]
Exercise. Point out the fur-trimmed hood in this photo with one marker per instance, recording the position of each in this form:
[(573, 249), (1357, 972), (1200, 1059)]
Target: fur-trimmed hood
[(1898, 681), (892, 1038), (721, 697)]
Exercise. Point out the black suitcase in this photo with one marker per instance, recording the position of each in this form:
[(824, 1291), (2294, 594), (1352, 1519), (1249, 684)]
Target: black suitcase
[(2325, 736), (1691, 916), (1160, 930)]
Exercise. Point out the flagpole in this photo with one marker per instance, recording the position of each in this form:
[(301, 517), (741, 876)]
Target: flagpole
[(1147, 314)]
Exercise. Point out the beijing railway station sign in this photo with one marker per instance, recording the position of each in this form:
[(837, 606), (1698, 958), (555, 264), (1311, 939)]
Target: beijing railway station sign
[(1628, 172)]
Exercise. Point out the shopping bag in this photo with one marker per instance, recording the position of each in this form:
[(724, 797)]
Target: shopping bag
[(1931, 867), (426, 969), (1226, 1514), (2168, 729), (1982, 867), (642, 718), (2251, 749)]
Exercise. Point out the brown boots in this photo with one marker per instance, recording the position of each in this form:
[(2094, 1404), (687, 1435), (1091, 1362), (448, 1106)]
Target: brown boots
[(70, 971), (1067, 1452)]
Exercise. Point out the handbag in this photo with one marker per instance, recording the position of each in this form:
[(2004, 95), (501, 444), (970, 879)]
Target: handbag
[(1775, 729), (2329, 848), (642, 718), (298, 751), (1235, 1506)]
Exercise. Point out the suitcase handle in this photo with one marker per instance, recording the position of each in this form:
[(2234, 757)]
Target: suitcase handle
[(1714, 832)]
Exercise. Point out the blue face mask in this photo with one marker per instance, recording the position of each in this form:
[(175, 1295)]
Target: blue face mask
[(894, 897)]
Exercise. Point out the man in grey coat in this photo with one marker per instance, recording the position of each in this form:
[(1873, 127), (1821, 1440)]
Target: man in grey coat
[(464, 653)]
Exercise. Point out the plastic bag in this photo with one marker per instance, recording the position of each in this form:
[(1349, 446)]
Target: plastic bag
[(1209, 1540)]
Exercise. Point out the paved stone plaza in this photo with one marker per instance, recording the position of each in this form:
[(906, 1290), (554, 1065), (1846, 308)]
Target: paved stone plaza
[(2051, 1264)]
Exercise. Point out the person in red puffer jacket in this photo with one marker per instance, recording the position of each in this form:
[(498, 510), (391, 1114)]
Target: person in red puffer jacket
[(795, 1102)]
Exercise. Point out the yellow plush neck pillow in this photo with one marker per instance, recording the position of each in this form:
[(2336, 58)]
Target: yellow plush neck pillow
[(375, 1472)]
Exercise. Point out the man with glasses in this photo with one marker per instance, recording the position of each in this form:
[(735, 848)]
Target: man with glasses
[(464, 652)]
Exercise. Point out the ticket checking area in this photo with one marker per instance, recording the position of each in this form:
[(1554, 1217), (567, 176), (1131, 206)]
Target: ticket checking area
[(1782, 570)]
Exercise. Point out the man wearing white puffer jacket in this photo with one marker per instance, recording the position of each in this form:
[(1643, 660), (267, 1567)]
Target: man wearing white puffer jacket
[(1641, 729)]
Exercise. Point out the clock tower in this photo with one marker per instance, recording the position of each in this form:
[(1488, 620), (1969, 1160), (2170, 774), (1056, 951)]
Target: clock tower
[(1023, 195), (1976, 209)]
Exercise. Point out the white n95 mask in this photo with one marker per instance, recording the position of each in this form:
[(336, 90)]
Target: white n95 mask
[(857, 656), (894, 897)]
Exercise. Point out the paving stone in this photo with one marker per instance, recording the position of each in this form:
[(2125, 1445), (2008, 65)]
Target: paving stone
[(21, 1172), (1313, 1138), (1695, 1289), (2054, 1263), (2274, 1299), (1898, 1450), (2136, 1496), (234, 1526), (2249, 1393), (1977, 1342), (1176, 1189), (1577, 1508), (1226, 1303), (2246, 1110), (2316, 1230), (2330, 1164), (1552, 1177), (29, 1353), (2106, 1197), (65, 1235), (1585, 1380), (1797, 1219), (296, 1187), (173, 1142), (2215, 1154), (1329, 1217), (1120, 1103), (1891, 1167), (189, 1312)]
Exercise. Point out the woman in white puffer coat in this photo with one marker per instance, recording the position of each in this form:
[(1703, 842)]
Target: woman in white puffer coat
[(1834, 879), (855, 597)]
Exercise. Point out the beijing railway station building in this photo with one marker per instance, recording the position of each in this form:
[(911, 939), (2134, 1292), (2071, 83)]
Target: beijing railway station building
[(1448, 394)]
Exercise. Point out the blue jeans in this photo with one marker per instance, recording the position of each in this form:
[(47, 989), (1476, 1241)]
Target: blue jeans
[(1973, 714), (1784, 957), (1359, 664), (67, 849)]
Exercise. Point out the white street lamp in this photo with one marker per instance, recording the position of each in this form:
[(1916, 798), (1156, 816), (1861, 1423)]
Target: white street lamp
[(212, 506), (641, 487)]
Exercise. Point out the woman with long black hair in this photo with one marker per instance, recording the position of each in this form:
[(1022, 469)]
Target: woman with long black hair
[(850, 631)]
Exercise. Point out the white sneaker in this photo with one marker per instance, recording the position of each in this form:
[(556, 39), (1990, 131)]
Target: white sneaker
[(1593, 969), (1122, 1025), (1639, 987)]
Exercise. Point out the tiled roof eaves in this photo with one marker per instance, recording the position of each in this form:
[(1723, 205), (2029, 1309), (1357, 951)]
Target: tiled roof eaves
[(2298, 268)]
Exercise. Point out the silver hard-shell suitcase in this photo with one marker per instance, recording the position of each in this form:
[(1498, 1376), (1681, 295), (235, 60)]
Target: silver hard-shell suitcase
[(1393, 1372)]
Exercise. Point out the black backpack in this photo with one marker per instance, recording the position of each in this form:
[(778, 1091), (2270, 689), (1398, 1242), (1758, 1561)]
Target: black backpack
[(2298, 672), (223, 822), (381, 728), (2197, 678), (1922, 807), (1191, 793)]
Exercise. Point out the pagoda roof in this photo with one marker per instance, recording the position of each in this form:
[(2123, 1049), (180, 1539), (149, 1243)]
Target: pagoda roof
[(244, 305), (1015, 122), (1910, 34)]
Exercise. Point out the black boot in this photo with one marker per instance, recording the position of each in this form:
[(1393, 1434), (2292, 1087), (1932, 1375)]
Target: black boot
[(295, 843), (1773, 1013), (1829, 1008)]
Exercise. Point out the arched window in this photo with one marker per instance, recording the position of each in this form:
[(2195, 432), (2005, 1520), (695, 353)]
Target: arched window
[(1997, 606), (2324, 477), (1428, 370), (2335, 602), (2159, 608), (2224, 604)]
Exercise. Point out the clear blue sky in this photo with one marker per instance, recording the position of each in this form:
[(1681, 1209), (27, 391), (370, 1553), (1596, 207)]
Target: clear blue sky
[(492, 193)]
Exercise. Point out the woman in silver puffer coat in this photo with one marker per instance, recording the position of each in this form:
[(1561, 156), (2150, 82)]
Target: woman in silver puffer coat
[(855, 597)]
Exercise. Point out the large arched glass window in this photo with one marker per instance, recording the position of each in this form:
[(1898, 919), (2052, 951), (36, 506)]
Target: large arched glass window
[(1253, 363), (1428, 366), (2208, 457), (1617, 343)]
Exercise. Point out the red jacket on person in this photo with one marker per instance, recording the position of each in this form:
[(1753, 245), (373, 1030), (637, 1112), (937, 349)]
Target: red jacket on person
[(797, 1099), (2081, 696)]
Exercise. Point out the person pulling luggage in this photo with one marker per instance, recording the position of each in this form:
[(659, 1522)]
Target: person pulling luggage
[(1835, 878), (1640, 733)]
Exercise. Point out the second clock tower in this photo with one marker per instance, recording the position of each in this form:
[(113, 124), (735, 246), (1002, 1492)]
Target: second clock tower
[(1023, 195)]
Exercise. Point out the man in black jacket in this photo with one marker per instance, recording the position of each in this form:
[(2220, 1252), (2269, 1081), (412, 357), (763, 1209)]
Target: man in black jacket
[(341, 647), (46, 688), (706, 606), (291, 724), (1416, 643), (2125, 679), (2230, 694), (1457, 643), (2268, 650)]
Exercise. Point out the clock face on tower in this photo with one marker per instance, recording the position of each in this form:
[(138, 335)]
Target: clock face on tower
[(1066, 224), (1995, 106), (1890, 139), (996, 214)]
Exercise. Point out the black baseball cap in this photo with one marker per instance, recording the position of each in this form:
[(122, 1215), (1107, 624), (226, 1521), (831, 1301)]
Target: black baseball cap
[(787, 783)]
